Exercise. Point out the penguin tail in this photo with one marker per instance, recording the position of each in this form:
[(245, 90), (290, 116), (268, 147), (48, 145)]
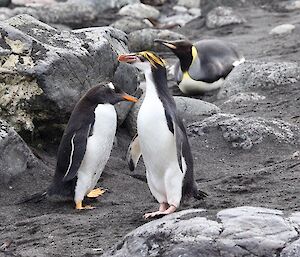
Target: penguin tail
[(35, 198)]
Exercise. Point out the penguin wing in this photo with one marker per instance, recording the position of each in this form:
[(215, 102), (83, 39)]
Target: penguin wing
[(207, 71), (133, 153), (72, 151), (181, 141)]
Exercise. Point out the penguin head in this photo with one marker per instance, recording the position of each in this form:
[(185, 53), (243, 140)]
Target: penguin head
[(146, 61), (107, 93), (182, 49)]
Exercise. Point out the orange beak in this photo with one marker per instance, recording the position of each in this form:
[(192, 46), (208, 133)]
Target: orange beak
[(129, 98), (129, 58)]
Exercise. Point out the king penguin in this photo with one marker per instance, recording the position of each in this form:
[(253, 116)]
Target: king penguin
[(86, 144), (204, 65), (161, 139)]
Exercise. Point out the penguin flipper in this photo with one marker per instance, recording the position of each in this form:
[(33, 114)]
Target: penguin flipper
[(78, 142), (133, 153)]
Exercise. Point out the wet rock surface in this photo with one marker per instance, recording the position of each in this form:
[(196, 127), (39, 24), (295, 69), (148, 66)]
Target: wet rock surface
[(246, 149)]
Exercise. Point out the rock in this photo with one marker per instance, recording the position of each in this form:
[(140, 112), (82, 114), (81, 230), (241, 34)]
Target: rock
[(245, 133), (291, 250), (15, 155), (33, 2), (153, 2), (5, 3), (73, 13), (195, 12), (5, 13), (192, 110), (180, 9), (223, 16), (291, 5), (282, 29), (179, 19), (45, 71), (129, 24), (189, 3), (259, 76), (141, 40), (240, 231), (189, 109), (139, 11)]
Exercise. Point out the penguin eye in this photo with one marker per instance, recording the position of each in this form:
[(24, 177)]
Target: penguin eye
[(142, 58)]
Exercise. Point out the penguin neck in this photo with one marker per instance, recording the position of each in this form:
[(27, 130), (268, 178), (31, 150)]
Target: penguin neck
[(186, 59), (156, 84)]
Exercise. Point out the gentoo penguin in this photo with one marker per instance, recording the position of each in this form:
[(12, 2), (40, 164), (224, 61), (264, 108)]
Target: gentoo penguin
[(162, 139), (86, 144), (204, 65)]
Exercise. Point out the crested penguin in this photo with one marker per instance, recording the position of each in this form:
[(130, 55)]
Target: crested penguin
[(204, 65), (161, 139), (86, 144)]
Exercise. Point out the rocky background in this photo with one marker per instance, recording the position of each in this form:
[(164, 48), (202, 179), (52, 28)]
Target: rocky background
[(245, 137)]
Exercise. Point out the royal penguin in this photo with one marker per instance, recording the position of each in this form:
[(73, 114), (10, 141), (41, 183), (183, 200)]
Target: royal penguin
[(86, 145), (161, 139), (204, 65)]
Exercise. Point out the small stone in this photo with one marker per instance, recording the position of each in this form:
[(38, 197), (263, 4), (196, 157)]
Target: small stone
[(180, 9), (195, 12), (282, 29), (223, 16), (189, 3), (153, 2), (139, 11), (292, 5)]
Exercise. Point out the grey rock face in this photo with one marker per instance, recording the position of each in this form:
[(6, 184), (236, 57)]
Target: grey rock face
[(15, 156), (255, 76), (44, 72), (141, 40), (241, 231), (246, 132), (223, 16)]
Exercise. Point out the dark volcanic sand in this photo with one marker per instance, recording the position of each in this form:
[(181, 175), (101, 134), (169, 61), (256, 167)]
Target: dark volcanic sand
[(266, 176)]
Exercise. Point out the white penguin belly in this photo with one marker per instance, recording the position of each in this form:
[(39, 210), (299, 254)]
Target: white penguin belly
[(190, 86), (159, 153), (98, 149)]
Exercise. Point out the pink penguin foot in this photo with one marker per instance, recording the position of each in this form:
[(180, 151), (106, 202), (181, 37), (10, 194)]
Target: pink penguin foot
[(163, 210)]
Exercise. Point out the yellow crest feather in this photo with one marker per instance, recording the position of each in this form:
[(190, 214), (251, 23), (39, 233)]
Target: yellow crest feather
[(153, 58)]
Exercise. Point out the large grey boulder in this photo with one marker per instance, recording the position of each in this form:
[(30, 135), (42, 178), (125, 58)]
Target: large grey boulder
[(44, 72), (15, 155), (141, 40), (244, 133), (253, 76), (223, 16), (240, 231)]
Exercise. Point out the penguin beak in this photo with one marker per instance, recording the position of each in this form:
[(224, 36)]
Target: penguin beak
[(129, 58), (166, 43), (129, 98)]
